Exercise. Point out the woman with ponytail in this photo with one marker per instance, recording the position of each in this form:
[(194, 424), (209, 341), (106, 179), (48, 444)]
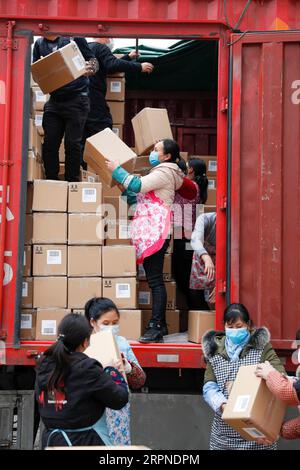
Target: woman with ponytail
[(154, 196), (73, 390), (185, 213)]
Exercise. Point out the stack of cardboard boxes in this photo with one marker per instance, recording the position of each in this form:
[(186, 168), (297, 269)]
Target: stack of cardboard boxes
[(115, 97), (35, 166)]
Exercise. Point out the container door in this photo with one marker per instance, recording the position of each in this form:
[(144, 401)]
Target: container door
[(264, 204)]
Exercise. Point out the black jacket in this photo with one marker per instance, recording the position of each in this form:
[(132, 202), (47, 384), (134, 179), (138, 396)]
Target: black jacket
[(43, 47), (88, 391)]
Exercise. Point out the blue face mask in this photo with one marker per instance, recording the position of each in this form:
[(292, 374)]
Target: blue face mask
[(153, 158), (237, 335), (115, 329)]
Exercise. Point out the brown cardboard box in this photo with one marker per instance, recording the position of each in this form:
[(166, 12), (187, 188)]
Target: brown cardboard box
[(150, 125), (78, 311), (31, 134), (211, 197), (200, 321), (50, 228), (211, 164), (59, 68), (50, 196), (50, 260), (212, 182), (50, 292), (85, 197), (142, 164), (28, 229), (38, 99), (27, 292), (115, 208), (209, 209), (61, 172), (38, 143), (122, 291), (167, 269), (104, 348), (145, 295), (47, 322), (27, 261), (131, 324), (61, 155), (118, 130), (29, 198), (88, 177), (117, 232), (84, 261), (117, 111), (119, 261), (28, 324), (103, 146), (85, 229), (32, 167), (172, 319), (81, 289), (252, 410), (115, 89), (184, 156), (107, 190)]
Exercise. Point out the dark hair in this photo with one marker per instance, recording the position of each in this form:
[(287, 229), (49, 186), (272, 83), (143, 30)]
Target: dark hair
[(98, 306), (73, 330), (236, 312), (183, 166), (298, 335), (171, 147), (199, 167)]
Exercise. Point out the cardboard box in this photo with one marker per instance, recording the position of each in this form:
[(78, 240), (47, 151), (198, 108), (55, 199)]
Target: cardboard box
[(50, 196), (150, 125), (252, 410), (145, 295), (209, 209), (118, 130), (28, 229), (81, 289), (107, 190), (27, 292), (30, 134), (38, 142), (211, 164), (85, 197), (200, 321), (104, 348), (50, 260), (61, 154), (131, 324), (119, 261), (50, 228), (85, 229), (172, 319), (32, 167), (117, 232), (117, 111), (61, 172), (142, 164), (28, 325), (103, 146), (211, 197), (115, 89), (38, 99), (114, 209), (122, 291), (38, 121), (47, 322), (88, 177), (84, 261), (184, 156), (167, 269), (29, 198), (59, 68), (212, 182), (50, 292), (27, 261)]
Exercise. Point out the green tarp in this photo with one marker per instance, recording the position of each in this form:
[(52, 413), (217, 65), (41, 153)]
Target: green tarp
[(184, 66)]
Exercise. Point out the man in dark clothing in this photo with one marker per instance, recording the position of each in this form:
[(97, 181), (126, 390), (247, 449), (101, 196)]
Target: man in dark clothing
[(66, 111), (99, 116)]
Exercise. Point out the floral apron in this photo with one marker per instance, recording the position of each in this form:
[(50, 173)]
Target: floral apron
[(198, 278)]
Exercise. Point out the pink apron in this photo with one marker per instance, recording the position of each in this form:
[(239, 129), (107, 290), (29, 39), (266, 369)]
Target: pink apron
[(150, 226), (198, 279)]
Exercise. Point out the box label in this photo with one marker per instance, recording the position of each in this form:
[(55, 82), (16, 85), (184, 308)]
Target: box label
[(116, 130), (211, 184), (38, 120), (78, 62), (116, 87), (25, 289), (48, 327), (212, 165), (89, 195), (255, 433), (91, 179), (39, 96), (124, 232), (24, 258), (123, 291), (144, 298), (242, 403), (54, 257), (26, 321)]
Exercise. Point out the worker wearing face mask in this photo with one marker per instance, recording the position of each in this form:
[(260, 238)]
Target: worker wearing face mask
[(225, 352), (103, 315)]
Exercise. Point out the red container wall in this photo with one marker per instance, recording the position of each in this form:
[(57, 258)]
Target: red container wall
[(266, 181)]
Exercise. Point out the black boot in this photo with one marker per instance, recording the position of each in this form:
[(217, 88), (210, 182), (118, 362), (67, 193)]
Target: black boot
[(153, 333)]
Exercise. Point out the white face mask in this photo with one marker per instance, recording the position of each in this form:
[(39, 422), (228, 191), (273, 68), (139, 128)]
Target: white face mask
[(115, 329)]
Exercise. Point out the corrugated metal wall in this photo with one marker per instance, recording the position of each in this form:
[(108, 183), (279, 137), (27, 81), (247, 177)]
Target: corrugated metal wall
[(266, 180)]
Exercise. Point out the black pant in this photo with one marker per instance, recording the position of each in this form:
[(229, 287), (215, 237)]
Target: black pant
[(84, 438), (153, 266), (64, 118)]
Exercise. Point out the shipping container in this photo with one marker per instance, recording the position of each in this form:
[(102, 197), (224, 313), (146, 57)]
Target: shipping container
[(254, 131)]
